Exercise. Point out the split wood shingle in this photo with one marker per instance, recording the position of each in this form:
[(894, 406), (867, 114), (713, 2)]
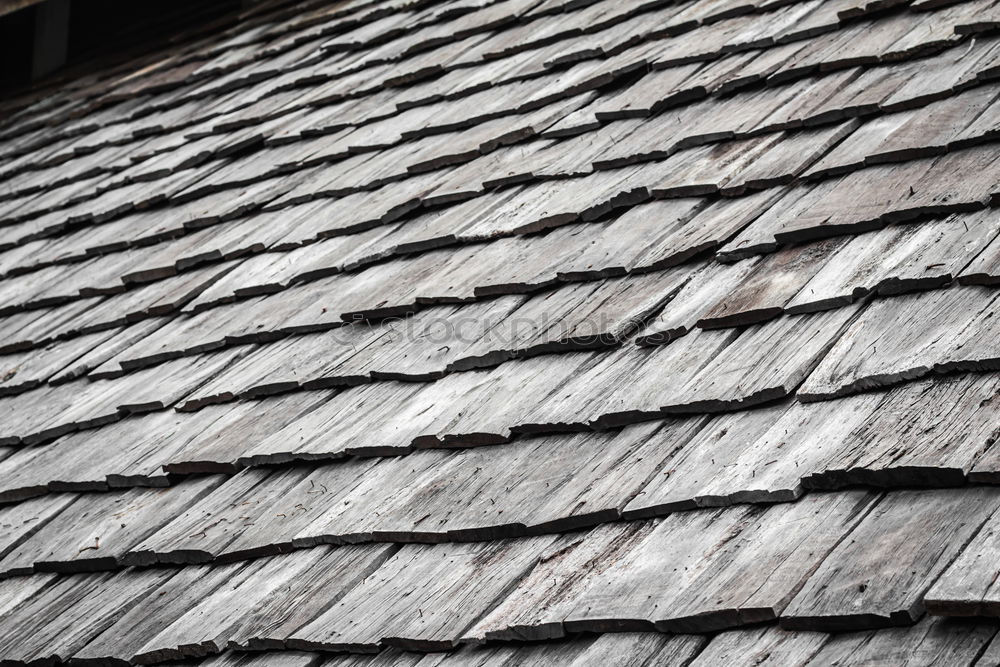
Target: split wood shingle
[(508, 332)]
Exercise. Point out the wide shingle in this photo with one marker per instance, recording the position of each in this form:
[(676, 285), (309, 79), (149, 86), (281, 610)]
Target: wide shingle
[(507, 332)]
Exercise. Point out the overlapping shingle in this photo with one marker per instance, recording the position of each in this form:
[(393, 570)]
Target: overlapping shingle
[(507, 332)]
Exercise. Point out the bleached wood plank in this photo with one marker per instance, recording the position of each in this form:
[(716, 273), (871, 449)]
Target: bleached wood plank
[(752, 456), (910, 134), (930, 433), (622, 386), (447, 587), (780, 353), (535, 608), (243, 608), (984, 269), (929, 641), (706, 287), (991, 655), (94, 532), (728, 568), (19, 522), (541, 485), (968, 586), (768, 645), (787, 158), (616, 247), (898, 259), (166, 602), (219, 436), (61, 619), (203, 530), (763, 294), (905, 338), (878, 575), (634, 649)]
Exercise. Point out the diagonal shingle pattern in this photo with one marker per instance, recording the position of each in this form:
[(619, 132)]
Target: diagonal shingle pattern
[(508, 332)]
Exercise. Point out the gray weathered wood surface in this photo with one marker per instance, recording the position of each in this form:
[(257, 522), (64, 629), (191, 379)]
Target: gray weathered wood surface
[(631, 332)]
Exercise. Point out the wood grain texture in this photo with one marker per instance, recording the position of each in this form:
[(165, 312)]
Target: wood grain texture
[(898, 259), (709, 588), (93, 532), (968, 586), (235, 279), (877, 576), (904, 338), (930, 640), (448, 587)]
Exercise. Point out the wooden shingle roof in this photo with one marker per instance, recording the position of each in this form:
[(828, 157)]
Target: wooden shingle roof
[(509, 332)]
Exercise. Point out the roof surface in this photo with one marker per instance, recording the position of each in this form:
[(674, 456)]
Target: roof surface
[(528, 332), (10, 6)]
